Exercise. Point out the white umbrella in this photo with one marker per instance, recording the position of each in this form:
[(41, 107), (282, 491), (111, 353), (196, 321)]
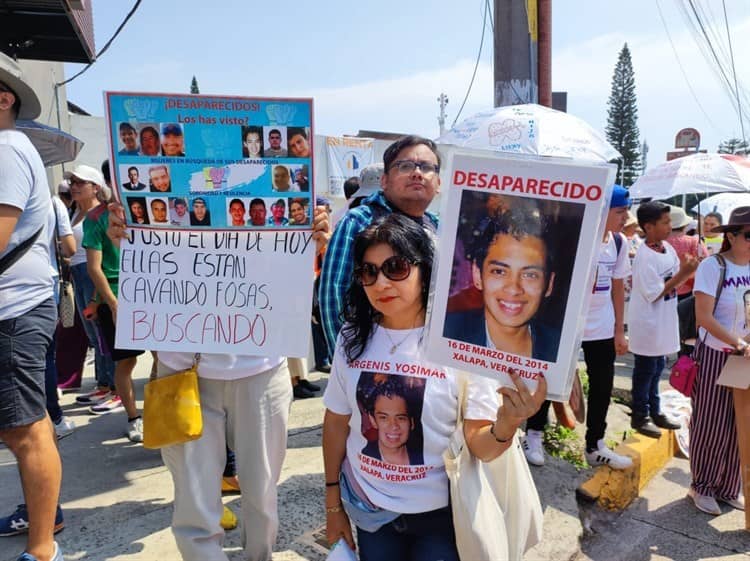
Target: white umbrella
[(723, 203), (531, 129), (700, 173), (54, 145)]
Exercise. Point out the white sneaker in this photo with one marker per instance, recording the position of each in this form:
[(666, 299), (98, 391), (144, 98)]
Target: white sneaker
[(135, 430), (533, 448), (64, 428), (704, 503), (603, 456)]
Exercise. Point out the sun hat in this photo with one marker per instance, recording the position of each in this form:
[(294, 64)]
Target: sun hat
[(679, 217), (369, 180), (12, 76), (740, 217), (87, 173), (631, 221)]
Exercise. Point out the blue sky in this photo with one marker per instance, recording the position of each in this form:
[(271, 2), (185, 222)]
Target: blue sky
[(381, 64)]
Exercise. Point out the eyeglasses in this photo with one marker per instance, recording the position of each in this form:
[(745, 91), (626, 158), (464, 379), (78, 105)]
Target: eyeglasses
[(396, 268), (408, 166), (76, 181), (745, 234)]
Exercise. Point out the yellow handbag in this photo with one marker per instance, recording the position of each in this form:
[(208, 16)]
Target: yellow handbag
[(172, 409)]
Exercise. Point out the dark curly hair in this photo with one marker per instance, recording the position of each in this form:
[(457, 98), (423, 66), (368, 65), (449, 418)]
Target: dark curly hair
[(407, 238), (518, 222)]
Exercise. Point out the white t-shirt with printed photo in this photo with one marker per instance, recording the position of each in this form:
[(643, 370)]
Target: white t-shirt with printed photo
[(403, 413), (600, 319), (733, 308), (653, 327)]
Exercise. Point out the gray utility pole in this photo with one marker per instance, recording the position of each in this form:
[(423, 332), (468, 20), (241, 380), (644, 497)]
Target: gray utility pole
[(515, 54), (443, 101)]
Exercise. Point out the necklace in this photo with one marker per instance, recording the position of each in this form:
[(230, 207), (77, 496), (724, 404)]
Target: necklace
[(394, 344)]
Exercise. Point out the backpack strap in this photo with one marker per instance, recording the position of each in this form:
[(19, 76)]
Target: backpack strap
[(618, 241), (7, 261)]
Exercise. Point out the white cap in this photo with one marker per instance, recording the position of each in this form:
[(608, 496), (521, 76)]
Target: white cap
[(369, 180)]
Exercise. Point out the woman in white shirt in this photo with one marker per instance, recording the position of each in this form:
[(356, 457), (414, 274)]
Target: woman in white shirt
[(87, 196), (724, 329), (390, 414)]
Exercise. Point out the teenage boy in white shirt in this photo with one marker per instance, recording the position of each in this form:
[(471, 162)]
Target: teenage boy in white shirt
[(603, 339), (652, 315)]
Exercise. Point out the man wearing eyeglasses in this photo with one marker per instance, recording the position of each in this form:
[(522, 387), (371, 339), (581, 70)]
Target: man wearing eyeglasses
[(27, 318), (410, 183)]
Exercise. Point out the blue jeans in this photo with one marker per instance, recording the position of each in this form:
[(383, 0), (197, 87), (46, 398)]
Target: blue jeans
[(104, 366), (646, 373), (427, 536)]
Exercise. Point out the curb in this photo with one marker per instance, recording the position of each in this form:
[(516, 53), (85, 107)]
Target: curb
[(616, 489)]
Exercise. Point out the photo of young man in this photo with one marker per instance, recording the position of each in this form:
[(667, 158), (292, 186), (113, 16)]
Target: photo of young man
[(134, 182), (200, 215), (150, 145), (178, 212), (172, 140), (128, 139), (513, 269), (275, 139), (236, 212), (392, 425), (159, 180), (252, 142), (159, 212), (257, 212), (299, 145)]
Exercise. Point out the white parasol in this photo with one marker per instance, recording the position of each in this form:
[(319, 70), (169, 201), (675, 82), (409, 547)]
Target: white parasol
[(700, 173), (531, 129), (723, 203)]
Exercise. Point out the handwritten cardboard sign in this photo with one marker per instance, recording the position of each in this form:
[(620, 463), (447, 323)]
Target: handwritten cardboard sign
[(239, 292)]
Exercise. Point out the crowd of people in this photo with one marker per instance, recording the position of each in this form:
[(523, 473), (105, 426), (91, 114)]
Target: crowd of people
[(385, 428)]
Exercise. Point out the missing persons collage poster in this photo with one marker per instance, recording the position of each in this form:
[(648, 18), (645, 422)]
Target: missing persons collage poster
[(517, 253), (218, 198), (204, 162)]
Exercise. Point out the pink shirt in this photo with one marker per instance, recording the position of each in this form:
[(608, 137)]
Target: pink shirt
[(683, 244)]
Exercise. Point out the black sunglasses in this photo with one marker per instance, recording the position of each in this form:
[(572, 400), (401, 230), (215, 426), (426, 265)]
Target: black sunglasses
[(396, 268)]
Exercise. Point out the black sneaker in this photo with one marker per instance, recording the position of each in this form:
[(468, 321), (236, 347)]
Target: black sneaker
[(645, 426), (18, 522), (301, 392), (309, 386), (664, 422)]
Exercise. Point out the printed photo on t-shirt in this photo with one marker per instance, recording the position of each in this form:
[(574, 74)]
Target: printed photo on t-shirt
[(391, 407), (746, 307)]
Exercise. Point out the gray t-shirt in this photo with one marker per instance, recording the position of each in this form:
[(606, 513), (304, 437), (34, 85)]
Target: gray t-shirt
[(23, 185)]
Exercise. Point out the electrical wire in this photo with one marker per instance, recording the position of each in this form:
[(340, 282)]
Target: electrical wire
[(476, 66), (734, 70), (682, 69), (106, 46)]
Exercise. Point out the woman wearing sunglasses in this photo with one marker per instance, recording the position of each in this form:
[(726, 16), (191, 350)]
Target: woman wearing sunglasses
[(390, 413), (724, 329)]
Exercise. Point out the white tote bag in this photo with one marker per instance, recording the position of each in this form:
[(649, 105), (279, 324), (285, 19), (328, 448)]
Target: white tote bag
[(496, 510)]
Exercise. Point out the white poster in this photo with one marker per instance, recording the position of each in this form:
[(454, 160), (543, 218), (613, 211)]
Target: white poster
[(346, 158), (238, 292), (518, 241)]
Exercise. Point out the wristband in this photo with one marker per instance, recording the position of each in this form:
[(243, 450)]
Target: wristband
[(501, 440), (333, 509), (332, 483)]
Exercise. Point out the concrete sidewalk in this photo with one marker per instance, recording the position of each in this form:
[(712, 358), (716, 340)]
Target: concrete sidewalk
[(116, 498)]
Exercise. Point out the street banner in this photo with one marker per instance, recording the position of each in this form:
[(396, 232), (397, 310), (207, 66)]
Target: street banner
[(519, 240), (346, 158), (219, 197), (200, 162), (237, 292)]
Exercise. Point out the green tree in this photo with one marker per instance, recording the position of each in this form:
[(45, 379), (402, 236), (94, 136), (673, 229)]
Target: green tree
[(194, 86), (733, 146), (622, 118)]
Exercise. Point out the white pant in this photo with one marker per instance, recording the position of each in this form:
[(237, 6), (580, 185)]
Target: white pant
[(251, 416)]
